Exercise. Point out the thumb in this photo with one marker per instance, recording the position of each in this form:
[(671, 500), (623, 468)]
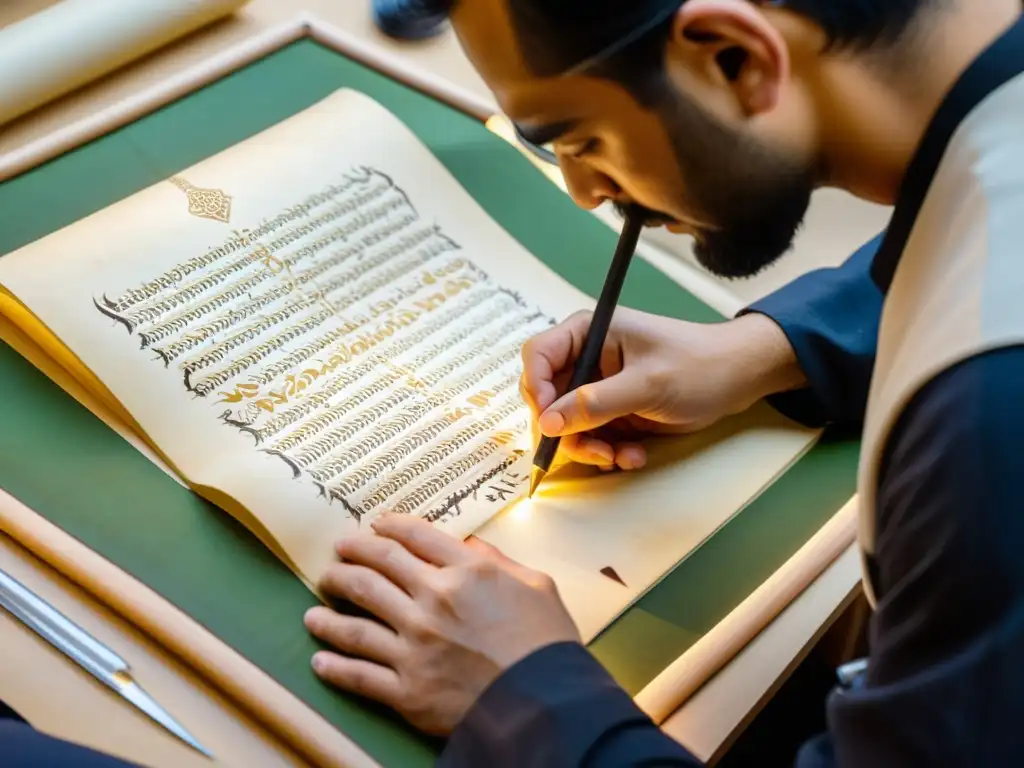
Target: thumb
[(594, 405)]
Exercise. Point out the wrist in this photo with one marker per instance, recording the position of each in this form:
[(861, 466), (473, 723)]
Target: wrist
[(765, 359), (550, 708)]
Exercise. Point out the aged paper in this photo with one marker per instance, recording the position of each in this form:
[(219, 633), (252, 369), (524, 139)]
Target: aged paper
[(356, 342), (319, 324), (639, 525), (71, 43), (312, 327)]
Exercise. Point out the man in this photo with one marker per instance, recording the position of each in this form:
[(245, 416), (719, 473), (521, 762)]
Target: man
[(721, 117)]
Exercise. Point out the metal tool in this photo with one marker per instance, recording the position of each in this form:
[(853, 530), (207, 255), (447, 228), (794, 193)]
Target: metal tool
[(86, 651)]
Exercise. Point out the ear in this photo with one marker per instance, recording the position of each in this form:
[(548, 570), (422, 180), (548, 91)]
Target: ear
[(730, 44)]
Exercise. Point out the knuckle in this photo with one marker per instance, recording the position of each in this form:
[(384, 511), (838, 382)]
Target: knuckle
[(531, 352), (446, 594), (529, 348), (420, 629), (369, 547), (659, 379), (418, 537), (578, 456), (357, 584), (358, 543), (570, 446), (587, 401), (484, 568), (380, 545), (526, 395), (542, 582), (355, 679), (354, 635), (330, 579), (392, 553), (549, 587)]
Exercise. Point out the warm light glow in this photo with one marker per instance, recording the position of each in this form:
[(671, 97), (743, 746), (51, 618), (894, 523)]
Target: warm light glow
[(522, 509)]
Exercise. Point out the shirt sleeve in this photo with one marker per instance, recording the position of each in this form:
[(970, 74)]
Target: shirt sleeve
[(945, 683), (24, 747), (559, 708), (831, 317)]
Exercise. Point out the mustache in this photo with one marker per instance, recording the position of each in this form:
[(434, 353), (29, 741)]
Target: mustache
[(651, 217)]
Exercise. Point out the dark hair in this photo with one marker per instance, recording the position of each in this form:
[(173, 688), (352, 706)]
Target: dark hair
[(558, 36)]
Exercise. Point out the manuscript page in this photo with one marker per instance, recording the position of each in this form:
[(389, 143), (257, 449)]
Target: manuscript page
[(317, 323)]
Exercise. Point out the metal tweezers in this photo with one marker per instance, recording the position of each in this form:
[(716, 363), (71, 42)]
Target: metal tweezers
[(86, 651)]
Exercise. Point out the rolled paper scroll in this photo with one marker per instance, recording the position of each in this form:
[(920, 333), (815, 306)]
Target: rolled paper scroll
[(75, 42), (276, 708), (683, 677)]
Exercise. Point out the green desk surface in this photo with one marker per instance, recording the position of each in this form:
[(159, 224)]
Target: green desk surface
[(66, 464)]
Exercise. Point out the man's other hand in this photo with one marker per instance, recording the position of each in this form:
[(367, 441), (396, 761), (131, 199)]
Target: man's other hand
[(453, 616)]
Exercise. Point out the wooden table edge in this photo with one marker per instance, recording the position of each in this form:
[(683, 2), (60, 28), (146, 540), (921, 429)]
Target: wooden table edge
[(711, 721)]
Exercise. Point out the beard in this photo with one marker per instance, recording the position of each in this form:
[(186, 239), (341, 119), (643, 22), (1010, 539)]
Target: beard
[(756, 197)]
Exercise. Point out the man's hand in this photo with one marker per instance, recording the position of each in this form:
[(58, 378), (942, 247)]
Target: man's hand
[(658, 375), (455, 616)]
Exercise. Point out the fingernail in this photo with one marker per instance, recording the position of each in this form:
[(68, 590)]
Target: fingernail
[(598, 451), (551, 423), (632, 458), (319, 663), (309, 619), (630, 461)]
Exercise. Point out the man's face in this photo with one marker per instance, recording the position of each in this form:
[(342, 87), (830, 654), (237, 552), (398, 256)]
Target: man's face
[(740, 196)]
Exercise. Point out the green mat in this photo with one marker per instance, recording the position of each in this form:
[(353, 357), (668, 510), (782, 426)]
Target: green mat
[(63, 462)]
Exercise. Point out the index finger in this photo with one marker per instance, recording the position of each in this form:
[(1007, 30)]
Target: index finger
[(549, 353), (386, 556), (423, 539)]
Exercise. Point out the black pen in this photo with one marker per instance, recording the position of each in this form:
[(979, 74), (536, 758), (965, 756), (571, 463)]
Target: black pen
[(590, 358)]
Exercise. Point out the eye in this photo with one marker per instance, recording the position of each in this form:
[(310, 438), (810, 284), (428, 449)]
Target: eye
[(589, 147)]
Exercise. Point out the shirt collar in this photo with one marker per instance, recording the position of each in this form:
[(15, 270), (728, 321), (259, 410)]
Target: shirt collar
[(1001, 62)]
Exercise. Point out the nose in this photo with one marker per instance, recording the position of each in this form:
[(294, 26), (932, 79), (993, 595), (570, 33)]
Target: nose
[(588, 187)]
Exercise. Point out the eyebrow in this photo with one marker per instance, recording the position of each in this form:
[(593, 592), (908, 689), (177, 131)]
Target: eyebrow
[(539, 135)]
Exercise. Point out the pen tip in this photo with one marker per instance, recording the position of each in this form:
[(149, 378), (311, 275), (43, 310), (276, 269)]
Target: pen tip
[(535, 477)]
